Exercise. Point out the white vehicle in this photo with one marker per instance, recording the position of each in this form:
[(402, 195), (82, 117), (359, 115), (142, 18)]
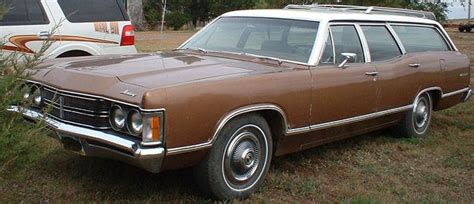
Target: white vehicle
[(86, 27)]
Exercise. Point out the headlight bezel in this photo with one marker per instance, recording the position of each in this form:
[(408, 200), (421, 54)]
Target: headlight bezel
[(112, 118), (147, 136), (36, 97), (130, 126)]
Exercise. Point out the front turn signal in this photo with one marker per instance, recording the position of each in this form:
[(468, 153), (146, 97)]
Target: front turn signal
[(153, 129)]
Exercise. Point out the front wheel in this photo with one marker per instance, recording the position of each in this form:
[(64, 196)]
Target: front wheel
[(239, 160), (417, 121)]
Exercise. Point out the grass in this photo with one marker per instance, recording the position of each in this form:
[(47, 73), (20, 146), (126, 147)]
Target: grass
[(374, 168)]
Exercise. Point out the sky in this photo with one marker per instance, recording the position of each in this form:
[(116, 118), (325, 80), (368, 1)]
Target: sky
[(457, 11)]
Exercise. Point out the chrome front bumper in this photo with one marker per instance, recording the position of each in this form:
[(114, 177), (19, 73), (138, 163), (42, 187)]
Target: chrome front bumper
[(105, 144)]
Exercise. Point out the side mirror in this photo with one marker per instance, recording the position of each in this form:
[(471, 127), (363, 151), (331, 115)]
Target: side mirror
[(347, 57)]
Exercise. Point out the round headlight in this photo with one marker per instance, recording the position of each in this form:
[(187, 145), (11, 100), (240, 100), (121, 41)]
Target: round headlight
[(36, 96), (27, 93), (135, 122), (117, 118)]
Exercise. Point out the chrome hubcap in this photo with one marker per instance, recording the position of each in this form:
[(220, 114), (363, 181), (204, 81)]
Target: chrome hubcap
[(421, 114), (245, 157), (242, 157)]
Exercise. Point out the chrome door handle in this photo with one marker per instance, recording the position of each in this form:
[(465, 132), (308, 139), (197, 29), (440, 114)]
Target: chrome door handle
[(372, 73), (414, 65), (44, 34)]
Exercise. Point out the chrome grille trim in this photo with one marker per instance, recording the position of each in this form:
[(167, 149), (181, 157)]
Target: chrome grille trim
[(68, 95), (76, 112), (78, 124), (49, 102)]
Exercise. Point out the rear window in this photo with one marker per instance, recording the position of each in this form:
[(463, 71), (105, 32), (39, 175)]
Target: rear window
[(23, 12), (79, 11), (421, 39)]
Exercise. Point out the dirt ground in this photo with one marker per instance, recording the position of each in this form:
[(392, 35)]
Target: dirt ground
[(374, 168)]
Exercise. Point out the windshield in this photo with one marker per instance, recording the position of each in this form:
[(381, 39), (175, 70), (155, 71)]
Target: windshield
[(277, 38)]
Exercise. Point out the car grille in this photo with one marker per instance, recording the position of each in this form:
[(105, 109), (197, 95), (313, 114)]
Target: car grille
[(76, 109)]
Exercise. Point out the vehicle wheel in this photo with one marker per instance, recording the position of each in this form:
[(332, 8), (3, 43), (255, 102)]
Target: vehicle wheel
[(416, 122), (239, 160), (468, 30), (461, 30)]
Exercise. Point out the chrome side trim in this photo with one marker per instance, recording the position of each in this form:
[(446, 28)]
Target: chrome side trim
[(359, 118), (300, 130), (223, 121), (468, 95), (456, 92), (288, 132)]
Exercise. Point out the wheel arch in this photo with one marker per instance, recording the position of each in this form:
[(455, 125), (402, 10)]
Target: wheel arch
[(273, 114), (436, 94), (93, 50), (74, 53)]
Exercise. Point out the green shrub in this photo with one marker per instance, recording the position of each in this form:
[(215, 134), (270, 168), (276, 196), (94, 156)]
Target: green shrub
[(18, 146), (177, 20)]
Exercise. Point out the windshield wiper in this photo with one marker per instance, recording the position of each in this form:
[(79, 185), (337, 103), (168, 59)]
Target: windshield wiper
[(201, 50), (279, 61)]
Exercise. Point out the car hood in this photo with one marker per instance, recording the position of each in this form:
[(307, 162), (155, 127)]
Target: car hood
[(146, 70), (129, 77)]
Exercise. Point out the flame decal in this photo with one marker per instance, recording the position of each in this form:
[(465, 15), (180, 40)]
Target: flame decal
[(20, 41)]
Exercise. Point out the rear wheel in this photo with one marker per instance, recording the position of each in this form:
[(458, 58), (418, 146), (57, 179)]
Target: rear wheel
[(469, 29), (239, 160), (417, 121)]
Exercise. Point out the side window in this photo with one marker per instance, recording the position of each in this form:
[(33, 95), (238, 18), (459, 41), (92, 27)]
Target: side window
[(420, 39), (328, 54), (382, 46), (23, 12), (79, 11), (346, 40)]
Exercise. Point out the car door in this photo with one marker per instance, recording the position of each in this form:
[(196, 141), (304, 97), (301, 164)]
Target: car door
[(396, 79), (26, 26), (342, 95), (434, 55)]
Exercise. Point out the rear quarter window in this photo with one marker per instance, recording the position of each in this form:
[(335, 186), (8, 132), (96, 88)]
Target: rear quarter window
[(421, 39), (23, 12), (80, 11)]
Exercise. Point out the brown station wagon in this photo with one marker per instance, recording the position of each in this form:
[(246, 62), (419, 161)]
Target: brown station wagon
[(250, 86)]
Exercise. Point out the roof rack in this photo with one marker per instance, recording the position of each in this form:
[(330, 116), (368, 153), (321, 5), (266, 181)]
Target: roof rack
[(365, 9)]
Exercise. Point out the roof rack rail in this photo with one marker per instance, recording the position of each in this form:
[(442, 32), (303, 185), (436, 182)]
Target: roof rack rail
[(365, 9)]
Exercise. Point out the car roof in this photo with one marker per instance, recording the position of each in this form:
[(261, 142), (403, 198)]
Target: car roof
[(329, 15)]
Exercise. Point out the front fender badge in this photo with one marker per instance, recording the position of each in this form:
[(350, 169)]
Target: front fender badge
[(128, 93)]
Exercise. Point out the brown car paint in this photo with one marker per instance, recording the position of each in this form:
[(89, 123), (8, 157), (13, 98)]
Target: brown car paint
[(198, 91)]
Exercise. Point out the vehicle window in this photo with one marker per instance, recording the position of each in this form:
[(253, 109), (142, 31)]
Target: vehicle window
[(421, 39), (280, 38), (346, 40), (23, 12), (381, 43), (328, 54), (78, 11)]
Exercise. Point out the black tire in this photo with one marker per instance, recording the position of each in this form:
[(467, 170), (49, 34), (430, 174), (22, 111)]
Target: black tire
[(468, 30), (239, 160), (416, 122), (461, 29)]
